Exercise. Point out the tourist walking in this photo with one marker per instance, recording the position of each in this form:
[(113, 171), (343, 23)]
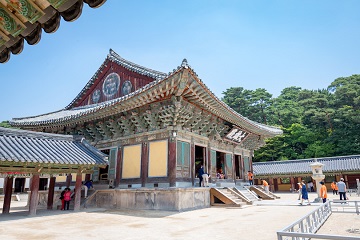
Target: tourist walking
[(304, 193), (342, 189), (200, 174), (334, 188), (250, 177), (67, 198), (323, 192), (299, 190), (265, 185)]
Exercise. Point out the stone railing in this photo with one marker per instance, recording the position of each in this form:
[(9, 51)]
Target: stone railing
[(306, 227)]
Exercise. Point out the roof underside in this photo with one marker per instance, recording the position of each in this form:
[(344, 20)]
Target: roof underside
[(25, 20), (182, 82), (19, 147), (291, 167)]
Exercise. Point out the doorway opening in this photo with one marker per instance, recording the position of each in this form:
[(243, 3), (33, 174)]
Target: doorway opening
[(238, 167), (104, 172), (19, 185), (200, 159), (43, 184), (220, 165)]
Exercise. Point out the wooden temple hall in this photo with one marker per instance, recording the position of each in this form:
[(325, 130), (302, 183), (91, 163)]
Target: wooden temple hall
[(156, 128), (41, 157)]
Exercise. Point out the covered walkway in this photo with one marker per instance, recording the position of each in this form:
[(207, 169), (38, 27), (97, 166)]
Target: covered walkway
[(33, 154)]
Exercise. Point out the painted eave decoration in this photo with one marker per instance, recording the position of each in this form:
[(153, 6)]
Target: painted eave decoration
[(25, 19), (181, 83)]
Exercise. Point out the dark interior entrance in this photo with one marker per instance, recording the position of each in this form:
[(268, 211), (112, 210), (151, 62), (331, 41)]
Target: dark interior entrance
[(238, 170), (200, 159), (220, 165), (43, 183), (104, 172), (19, 184)]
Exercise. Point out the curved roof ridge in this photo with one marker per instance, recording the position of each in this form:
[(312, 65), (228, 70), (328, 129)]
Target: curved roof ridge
[(135, 67), (275, 130), (32, 134)]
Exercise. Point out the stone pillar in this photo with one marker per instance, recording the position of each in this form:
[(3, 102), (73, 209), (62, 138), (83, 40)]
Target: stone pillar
[(192, 162), (34, 194), (172, 162), (68, 179), (78, 184), (8, 193), (51, 191), (118, 167), (144, 163)]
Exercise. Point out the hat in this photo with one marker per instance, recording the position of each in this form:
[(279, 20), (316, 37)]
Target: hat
[(341, 179)]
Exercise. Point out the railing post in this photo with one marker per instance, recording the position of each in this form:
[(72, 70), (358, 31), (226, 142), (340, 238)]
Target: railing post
[(357, 207)]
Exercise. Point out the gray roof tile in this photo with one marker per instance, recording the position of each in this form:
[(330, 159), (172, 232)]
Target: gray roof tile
[(302, 166), (34, 147)]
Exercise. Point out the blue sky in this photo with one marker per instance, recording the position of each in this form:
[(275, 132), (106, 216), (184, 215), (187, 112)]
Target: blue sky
[(229, 43)]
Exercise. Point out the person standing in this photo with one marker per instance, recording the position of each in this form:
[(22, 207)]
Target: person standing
[(334, 188), (323, 192), (304, 193), (251, 178), (342, 189), (87, 186), (67, 198), (62, 199), (200, 174), (265, 185), (299, 190)]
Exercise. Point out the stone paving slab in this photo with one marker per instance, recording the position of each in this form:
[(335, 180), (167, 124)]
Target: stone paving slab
[(253, 222)]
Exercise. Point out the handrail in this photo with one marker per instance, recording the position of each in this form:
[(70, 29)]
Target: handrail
[(307, 226)]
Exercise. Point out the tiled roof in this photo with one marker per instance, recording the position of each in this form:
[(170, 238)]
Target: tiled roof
[(211, 102), (26, 20), (302, 166), (20, 146)]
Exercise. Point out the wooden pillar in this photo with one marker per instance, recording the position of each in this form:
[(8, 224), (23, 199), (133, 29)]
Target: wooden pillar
[(68, 179), (144, 163), (206, 164), (8, 193), (271, 183), (346, 181), (213, 176), (292, 182), (276, 186), (192, 163), (243, 174), (172, 162), (4, 188), (78, 191), (118, 167), (51, 191), (34, 194)]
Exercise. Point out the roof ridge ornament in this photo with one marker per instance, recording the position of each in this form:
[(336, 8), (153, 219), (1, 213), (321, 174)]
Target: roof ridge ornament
[(185, 63)]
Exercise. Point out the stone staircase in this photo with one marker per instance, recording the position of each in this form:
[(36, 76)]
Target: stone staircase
[(248, 196), (225, 197), (260, 191)]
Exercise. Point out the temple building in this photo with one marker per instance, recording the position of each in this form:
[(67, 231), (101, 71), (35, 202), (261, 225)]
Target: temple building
[(284, 175), (156, 128)]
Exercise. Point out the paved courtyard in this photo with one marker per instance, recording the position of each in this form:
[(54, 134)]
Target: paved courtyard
[(251, 222)]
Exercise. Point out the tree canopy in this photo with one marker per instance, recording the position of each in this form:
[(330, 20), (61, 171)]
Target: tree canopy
[(316, 123)]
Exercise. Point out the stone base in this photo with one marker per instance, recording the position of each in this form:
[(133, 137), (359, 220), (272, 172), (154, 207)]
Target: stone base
[(169, 199), (225, 184)]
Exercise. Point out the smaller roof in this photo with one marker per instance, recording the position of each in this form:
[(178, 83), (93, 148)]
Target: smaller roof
[(302, 166), (29, 148)]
